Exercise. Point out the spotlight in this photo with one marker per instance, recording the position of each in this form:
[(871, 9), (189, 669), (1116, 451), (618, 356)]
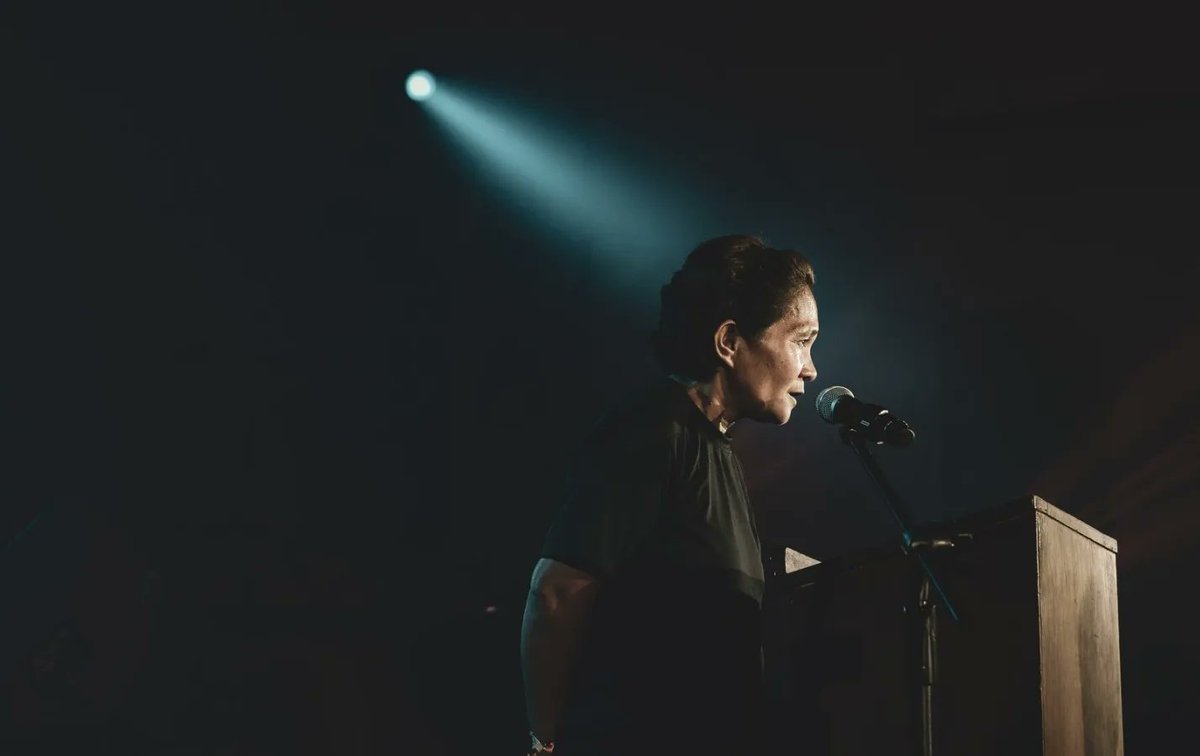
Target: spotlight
[(420, 85)]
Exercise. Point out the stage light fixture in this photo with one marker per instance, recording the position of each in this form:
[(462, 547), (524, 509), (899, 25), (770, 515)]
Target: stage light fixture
[(420, 85)]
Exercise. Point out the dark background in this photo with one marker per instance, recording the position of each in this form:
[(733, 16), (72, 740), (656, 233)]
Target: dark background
[(288, 388)]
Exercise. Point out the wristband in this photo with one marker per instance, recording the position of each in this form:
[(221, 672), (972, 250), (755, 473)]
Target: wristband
[(540, 747)]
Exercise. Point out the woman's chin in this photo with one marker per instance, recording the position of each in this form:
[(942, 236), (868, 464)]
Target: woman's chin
[(782, 413)]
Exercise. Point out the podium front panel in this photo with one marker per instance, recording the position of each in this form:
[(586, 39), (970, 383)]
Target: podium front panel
[(1031, 667)]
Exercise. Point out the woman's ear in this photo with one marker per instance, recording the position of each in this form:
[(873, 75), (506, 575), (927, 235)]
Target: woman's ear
[(725, 342)]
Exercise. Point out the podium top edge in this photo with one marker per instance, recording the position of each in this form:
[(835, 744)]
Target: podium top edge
[(1030, 504), (1071, 521)]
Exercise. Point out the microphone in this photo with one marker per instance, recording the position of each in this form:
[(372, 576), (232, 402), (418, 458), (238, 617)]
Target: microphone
[(837, 405)]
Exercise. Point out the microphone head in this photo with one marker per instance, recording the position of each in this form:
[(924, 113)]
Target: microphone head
[(827, 399)]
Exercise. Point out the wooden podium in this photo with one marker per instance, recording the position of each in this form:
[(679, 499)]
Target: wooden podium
[(1031, 667)]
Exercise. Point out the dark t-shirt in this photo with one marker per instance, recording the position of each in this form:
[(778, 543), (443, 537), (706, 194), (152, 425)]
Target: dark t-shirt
[(657, 508)]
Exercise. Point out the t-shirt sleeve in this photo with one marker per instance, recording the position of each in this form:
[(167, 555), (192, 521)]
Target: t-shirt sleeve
[(614, 498)]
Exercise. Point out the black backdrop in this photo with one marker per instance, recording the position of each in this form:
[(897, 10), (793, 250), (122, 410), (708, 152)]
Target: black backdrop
[(289, 387)]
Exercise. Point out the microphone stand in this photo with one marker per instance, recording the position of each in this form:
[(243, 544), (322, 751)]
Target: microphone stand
[(930, 593)]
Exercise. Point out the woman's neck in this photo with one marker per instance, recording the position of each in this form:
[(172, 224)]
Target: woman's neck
[(711, 399)]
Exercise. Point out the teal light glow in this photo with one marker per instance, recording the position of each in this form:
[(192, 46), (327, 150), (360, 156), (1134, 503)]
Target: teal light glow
[(631, 217), (420, 85)]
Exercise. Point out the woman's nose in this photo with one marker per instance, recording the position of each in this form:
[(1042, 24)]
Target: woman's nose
[(808, 371)]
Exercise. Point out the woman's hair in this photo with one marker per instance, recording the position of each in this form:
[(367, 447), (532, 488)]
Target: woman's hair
[(735, 278)]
